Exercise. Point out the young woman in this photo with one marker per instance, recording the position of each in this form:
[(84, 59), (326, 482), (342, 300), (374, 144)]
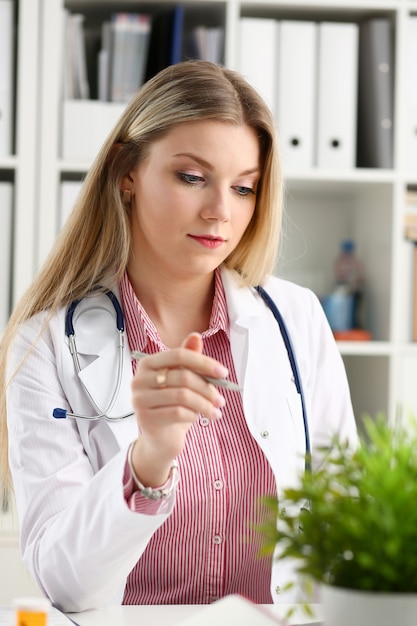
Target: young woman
[(179, 217)]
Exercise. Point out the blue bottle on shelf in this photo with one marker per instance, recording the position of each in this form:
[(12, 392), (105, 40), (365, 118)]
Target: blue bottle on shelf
[(343, 305)]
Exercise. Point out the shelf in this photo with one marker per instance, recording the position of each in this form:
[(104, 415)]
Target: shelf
[(358, 176), (8, 163), (73, 167), (344, 10), (365, 348)]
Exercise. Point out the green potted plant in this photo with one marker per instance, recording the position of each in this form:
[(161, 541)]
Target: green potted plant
[(357, 538)]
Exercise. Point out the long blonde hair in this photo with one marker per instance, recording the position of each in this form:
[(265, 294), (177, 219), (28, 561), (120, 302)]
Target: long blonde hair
[(94, 246)]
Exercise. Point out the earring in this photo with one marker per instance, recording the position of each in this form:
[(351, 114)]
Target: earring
[(127, 196)]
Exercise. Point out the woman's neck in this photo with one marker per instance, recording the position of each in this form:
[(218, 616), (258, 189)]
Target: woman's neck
[(176, 309)]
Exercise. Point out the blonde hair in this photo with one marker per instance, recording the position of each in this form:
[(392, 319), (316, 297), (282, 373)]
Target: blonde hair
[(93, 248)]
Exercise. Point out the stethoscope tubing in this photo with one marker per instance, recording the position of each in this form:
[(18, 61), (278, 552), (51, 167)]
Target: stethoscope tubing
[(294, 366)]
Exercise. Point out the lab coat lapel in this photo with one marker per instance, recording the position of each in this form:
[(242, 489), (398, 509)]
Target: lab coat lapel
[(271, 403), (258, 350)]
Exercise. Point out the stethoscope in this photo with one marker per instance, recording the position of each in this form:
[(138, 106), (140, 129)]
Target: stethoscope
[(103, 413)]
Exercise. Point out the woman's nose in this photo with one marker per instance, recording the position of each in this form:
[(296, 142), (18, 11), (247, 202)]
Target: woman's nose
[(217, 205)]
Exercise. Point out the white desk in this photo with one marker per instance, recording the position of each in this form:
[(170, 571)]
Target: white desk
[(171, 615)]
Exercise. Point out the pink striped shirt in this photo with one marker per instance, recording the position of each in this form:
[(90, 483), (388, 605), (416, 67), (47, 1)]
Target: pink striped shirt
[(208, 547)]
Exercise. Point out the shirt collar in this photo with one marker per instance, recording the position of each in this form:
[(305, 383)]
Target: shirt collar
[(141, 332)]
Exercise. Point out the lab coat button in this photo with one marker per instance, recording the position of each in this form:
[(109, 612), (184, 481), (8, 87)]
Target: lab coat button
[(265, 434), (277, 590)]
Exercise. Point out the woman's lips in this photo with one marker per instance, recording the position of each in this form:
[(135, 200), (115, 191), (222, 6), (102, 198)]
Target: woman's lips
[(207, 241)]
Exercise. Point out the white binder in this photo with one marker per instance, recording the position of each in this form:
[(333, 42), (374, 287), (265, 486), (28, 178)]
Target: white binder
[(6, 209), (411, 163), (6, 76), (258, 45), (337, 95), (297, 92), (85, 126)]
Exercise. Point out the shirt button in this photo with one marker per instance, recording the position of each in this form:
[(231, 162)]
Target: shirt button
[(204, 421), (277, 590), (265, 434), (218, 484), (217, 539)]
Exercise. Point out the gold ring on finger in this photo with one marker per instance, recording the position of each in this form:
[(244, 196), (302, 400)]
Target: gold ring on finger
[(161, 377)]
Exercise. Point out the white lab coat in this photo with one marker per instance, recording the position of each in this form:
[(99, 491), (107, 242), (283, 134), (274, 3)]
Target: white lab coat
[(78, 537)]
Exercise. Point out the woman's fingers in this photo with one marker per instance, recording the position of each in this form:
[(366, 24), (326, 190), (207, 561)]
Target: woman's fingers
[(170, 391), (181, 388), (186, 358)]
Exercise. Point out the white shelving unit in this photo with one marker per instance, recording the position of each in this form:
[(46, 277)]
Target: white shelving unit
[(20, 168), (322, 206)]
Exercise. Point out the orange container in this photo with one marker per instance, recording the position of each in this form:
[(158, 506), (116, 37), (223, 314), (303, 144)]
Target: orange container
[(31, 611)]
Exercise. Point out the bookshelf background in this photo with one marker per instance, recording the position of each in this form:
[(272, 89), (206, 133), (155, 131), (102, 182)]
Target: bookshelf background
[(324, 205)]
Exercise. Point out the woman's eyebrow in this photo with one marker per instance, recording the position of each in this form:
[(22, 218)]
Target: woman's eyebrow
[(198, 159)]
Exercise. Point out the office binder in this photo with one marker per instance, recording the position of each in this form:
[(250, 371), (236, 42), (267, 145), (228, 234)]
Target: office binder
[(375, 97), (131, 34), (119, 32), (206, 43), (104, 62), (85, 126), (6, 76), (337, 95), (296, 97), (177, 27), (76, 83), (6, 209), (411, 138), (166, 40), (258, 62)]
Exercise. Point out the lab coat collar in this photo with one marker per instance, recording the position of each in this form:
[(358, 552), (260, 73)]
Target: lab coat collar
[(242, 303)]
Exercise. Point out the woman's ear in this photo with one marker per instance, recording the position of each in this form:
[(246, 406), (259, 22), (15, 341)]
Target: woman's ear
[(126, 183), (126, 187)]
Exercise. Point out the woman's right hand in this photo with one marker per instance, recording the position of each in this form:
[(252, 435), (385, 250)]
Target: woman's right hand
[(169, 392)]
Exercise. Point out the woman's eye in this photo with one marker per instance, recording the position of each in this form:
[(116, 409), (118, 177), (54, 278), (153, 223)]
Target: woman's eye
[(190, 179), (244, 191)]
